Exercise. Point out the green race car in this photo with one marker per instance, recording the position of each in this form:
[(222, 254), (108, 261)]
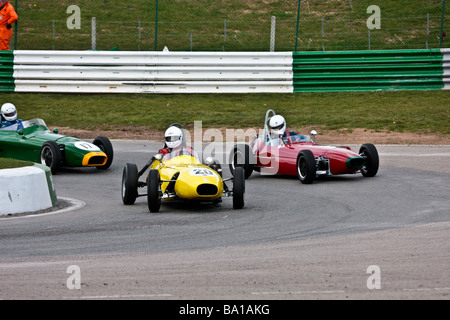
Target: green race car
[(35, 142)]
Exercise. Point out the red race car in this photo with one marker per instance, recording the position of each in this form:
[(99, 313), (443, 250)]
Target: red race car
[(298, 155)]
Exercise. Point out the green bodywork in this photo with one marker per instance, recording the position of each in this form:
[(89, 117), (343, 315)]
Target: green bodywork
[(25, 144)]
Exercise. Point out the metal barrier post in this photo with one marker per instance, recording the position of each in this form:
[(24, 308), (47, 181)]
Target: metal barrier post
[(298, 21), (156, 26), (442, 24), (94, 33), (272, 33)]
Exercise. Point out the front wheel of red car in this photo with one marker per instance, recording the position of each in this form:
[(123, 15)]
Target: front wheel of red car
[(241, 156), (153, 191), (306, 166), (371, 160), (51, 156)]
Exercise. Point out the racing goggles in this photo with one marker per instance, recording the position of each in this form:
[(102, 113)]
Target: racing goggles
[(173, 138)]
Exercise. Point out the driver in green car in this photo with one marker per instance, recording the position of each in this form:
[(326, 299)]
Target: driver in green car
[(9, 117)]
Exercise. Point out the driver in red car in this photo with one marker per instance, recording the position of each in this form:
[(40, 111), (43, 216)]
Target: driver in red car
[(279, 135), (9, 117), (174, 139)]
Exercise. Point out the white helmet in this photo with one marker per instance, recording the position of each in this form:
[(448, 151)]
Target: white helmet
[(9, 112), (277, 125), (173, 137)]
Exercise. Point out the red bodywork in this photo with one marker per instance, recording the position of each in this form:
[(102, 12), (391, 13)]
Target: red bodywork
[(282, 159)]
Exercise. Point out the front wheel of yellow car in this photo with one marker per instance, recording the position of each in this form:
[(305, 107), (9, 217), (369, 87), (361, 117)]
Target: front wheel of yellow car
[(129, 183), (238, 188), (153, 191)]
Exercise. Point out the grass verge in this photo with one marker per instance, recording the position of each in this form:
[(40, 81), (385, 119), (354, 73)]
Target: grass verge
[(398, 111), (6, 163)]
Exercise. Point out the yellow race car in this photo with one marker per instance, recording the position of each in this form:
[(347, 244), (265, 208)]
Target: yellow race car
[(181, 176)]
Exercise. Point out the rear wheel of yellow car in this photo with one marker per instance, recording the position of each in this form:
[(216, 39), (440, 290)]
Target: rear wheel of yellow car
[(238, 188), (51, 156), (129, 183), (153, 191)]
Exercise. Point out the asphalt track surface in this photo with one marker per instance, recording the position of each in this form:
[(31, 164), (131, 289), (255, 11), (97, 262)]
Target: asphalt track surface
[(290, 242)]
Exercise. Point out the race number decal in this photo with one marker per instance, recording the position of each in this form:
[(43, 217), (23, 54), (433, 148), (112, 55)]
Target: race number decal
[(83, 145), (201, 172)]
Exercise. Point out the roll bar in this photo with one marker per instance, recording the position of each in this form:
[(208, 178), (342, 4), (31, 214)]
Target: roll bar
[(266, 121)]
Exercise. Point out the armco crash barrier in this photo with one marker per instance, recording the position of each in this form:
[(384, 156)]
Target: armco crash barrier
[(150, 72), (26, 189), (370, 70), (223, 72)]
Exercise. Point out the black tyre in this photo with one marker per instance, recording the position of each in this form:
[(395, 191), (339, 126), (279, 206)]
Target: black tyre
[(129, 183), (306, 166), (238, 188), (153, 191), (51, 156), (105, 145), (372, 161), (241, 156)]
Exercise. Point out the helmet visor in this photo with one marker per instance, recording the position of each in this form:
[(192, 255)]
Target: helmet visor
[(11, 114), (277, 127), (172, 138)]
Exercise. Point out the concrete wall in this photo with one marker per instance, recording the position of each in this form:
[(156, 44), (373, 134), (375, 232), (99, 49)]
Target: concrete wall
[(26, 189)]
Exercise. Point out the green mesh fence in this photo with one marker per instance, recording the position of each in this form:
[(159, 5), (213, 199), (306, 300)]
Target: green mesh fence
[(232, 25)]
